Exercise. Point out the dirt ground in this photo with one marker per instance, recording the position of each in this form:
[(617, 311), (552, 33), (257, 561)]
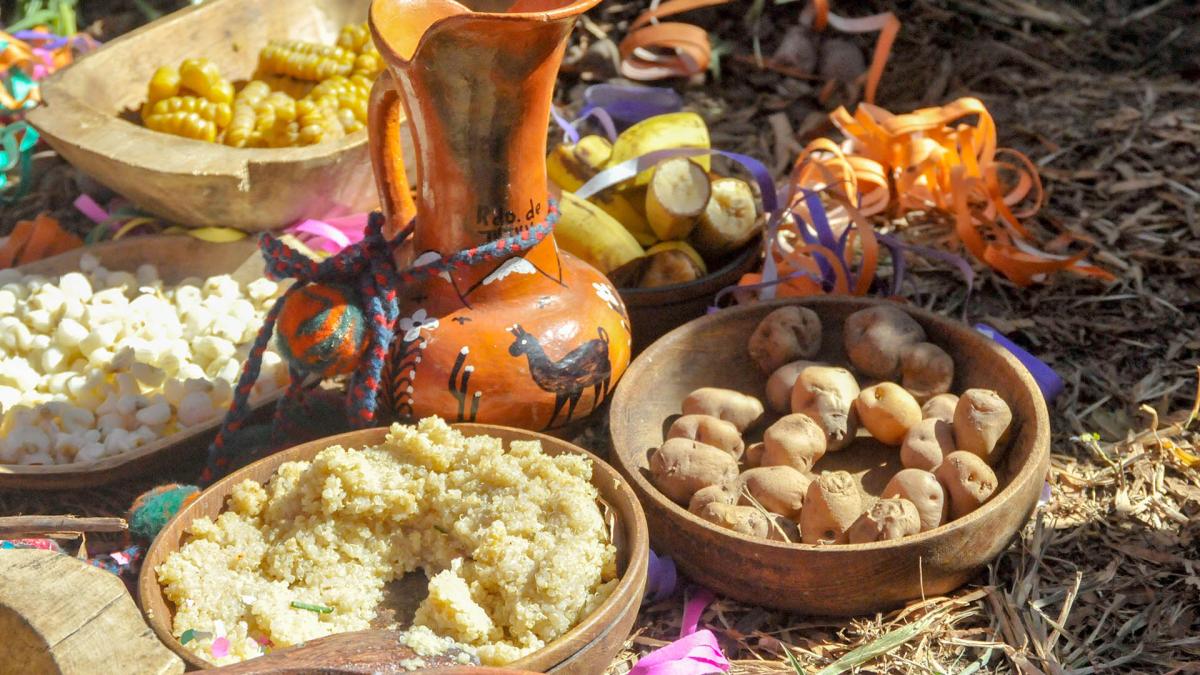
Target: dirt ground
[(1104, 98)]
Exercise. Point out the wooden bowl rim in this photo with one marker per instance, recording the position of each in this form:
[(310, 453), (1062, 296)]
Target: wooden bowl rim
[(15, 473), (714, 280), (625, 596), (62, 114), (1040, 440)]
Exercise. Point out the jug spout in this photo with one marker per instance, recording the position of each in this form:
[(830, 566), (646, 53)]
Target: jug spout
[(476, 80)]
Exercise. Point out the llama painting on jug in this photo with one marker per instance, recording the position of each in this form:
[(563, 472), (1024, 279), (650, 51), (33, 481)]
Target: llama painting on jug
[(532, 337)]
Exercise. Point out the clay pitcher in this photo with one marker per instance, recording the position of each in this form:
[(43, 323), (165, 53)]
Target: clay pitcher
[(535, 339)]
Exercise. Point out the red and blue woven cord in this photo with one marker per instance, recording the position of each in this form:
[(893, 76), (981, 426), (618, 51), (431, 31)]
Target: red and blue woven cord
[(370, 267)]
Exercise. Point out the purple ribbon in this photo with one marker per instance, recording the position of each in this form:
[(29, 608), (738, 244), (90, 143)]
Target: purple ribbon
[(629, 104), (696, 652), (570, 131), (660, 577), (1047, 380)]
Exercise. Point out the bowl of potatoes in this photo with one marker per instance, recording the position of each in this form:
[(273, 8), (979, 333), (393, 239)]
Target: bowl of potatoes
[(832, 456)]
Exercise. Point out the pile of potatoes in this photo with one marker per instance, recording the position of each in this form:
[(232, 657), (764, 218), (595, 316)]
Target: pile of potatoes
[(947, 443)]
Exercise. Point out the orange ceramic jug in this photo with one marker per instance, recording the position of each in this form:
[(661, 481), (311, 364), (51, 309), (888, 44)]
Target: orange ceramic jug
[(536, 339)]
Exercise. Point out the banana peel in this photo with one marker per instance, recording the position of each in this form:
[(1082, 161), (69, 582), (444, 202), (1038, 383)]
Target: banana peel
[(571, 165), (588, 232), (661, 132)]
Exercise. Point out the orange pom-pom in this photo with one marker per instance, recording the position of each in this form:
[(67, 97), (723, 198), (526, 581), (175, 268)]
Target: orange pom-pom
[(321, 329)]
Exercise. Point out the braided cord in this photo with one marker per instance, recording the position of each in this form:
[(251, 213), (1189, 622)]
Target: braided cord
[(368, 265)]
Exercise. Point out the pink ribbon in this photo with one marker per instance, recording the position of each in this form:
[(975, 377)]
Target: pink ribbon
[(696, 652), (88, 207), (331, 234)]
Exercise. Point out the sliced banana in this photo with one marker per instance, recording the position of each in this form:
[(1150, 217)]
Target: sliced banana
[(729, 220), (676, 196), (672, 262)]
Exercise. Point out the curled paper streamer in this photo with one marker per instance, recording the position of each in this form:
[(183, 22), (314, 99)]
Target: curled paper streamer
[(116, 223), (660, 578), (1047, 380), (36, 239), (886, 24), (27, 56), (570, 129), (17, 142), (331, 235), (696, 652), (935, 159)]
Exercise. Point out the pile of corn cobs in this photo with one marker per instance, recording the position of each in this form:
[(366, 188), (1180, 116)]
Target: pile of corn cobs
[(303, 93)]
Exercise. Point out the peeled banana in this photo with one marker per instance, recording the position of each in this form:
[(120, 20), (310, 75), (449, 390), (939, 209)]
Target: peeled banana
[(585, 230), (570, 166), (673, 130), (672, 262), (729, 220), (676, 196)]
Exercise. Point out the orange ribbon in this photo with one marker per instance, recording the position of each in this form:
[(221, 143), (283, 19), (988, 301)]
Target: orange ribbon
[(36, 239), (654, 50), (934, 159)]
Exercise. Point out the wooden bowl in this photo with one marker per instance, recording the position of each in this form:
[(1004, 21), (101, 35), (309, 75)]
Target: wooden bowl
[(192, 182), (176, 257), (586, 649), (832, 580), (655, 311)]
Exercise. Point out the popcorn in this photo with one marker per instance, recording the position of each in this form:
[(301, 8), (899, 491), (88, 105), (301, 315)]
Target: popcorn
[(99, 362)]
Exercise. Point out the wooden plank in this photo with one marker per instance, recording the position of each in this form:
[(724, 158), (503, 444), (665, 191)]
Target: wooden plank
[(62, 615)]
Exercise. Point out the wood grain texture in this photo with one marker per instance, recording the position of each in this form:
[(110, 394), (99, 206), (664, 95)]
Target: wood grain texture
[(832, 580), (192, 182), (586, 649), (653, 312), (176, 257), (60, 615)]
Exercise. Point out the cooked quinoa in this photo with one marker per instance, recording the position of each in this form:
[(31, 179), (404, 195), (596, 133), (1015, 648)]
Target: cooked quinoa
[(513, 542)]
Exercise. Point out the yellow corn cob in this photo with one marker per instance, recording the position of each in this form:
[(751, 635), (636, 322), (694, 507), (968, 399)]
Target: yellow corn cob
[(242, 128), (297, 89), (354, 37), (318, 123), (183, 123), (305, 60), (163, 84), (283, 105), (202, 77), (217, 113), (369, 62)]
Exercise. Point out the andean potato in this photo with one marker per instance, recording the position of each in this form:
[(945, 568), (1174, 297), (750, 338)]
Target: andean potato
[(794, 440), (981, 422), (753, 455), (874, 339), (779, 385), (968, 480), (924, 491), (778, 489), (926, 370), (682, 466), (785, 335), (746, 520), (926, 443), (831, 506), (827, 395), (940, 407), (886, 519), (710, 431), (732, 406), (710, 494), (887, 411)]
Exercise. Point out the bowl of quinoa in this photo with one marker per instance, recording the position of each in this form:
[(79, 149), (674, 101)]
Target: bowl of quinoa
[(532, 549)]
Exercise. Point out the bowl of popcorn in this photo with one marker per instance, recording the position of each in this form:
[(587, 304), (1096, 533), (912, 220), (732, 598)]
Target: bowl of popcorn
[(120, 353)]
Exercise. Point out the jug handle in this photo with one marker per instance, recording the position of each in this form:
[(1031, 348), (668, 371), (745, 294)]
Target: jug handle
[(385, 115)]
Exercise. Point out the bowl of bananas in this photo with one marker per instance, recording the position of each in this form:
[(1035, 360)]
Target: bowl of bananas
[(227, 113), (670, 237)]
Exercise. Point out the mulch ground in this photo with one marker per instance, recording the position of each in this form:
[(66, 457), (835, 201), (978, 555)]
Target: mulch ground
[(1104, 98)]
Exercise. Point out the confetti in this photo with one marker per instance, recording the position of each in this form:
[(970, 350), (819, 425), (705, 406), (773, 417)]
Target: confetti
[(220, 647), (321, 609)]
